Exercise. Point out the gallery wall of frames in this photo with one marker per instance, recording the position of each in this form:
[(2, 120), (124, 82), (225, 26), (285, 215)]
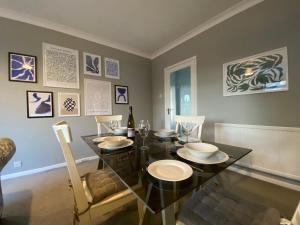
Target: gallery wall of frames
[(61, 70)]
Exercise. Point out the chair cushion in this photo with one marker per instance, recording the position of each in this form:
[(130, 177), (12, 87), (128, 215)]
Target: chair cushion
[(102, 184), (214, 205), (7, 150)]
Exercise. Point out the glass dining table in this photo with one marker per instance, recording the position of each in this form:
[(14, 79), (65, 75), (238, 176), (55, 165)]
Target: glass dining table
[(130, 165)]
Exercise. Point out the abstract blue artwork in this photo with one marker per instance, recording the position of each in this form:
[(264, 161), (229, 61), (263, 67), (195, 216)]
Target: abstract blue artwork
[(112, 69), (39, 104), (92, 64), (121, 93), (22, 67)]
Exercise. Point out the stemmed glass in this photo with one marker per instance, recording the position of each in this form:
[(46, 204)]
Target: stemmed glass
[(113, 124), (144, 129), (187, 129)]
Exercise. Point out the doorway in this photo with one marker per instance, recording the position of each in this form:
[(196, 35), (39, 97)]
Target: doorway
[(180, 90)]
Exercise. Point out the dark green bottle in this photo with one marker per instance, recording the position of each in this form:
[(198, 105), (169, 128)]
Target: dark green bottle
[(130, 124)]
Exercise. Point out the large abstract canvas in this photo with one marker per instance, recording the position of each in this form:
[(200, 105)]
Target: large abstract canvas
[(22, 67), (39, 104), (68, 104), (61, 67), (91, 64), (262, 73)]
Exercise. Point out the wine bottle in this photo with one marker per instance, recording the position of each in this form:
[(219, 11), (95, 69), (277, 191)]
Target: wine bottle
[(130, 124)]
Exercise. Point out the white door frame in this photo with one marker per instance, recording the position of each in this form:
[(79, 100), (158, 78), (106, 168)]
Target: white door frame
[(192, 63)]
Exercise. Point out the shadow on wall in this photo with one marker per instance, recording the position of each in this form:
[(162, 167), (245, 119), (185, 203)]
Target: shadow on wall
[(17, 207)]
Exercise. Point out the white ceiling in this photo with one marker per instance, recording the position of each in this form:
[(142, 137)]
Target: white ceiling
[(143, 27)]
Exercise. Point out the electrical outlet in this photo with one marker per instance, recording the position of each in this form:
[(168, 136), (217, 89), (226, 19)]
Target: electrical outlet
[(17, 164)]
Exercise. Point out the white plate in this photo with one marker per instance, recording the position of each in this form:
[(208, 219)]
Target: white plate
[(191, 139), (170, 170), (157, 134), (98, 139), (166, 132), (105, 145), (218, 157)]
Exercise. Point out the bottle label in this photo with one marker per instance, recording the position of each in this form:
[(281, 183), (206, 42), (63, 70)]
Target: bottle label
[(130, 132)]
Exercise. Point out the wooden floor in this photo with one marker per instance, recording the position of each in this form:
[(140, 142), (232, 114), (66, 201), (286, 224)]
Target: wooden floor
[(44, 199)]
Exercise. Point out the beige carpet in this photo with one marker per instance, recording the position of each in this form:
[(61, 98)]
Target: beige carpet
[(44, 199)]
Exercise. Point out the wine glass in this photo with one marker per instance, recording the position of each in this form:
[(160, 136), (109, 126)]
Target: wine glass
[(144, 129), (113, 124), (187, 129)]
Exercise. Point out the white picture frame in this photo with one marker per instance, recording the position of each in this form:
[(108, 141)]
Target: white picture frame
[(68, 104), (60, 67), (112, 68), (93, 66), (97, 97), (261, 73)]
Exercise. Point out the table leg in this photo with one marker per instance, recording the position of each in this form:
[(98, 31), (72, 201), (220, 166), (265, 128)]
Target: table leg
[(142, 212), (141, 206), (168, 215)]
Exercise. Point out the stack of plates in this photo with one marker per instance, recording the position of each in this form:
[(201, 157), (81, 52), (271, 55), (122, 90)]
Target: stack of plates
[(202, 153), (113, 142), (165, 133)]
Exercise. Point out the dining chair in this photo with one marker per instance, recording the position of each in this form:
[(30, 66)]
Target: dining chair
[(7, 150), (96, 193), (102, 120), (214, 204), (197, 120)]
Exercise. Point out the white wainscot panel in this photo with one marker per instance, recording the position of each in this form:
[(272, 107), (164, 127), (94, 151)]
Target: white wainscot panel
[(276, 150)]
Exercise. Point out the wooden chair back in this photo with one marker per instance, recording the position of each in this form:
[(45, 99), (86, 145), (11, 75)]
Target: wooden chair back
[(101, 120), (197, 120), (64, 136)]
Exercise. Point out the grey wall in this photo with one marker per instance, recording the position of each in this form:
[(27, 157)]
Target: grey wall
[(35, 140), (269, 25)]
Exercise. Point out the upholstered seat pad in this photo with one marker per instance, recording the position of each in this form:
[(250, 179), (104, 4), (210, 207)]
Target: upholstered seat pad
[(7, 150), (102, 184), (216, 206)]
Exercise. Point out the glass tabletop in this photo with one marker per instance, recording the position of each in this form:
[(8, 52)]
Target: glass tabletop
[(131, 163)]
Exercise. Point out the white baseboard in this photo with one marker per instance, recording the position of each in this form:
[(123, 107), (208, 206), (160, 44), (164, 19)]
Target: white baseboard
[(44, 169)]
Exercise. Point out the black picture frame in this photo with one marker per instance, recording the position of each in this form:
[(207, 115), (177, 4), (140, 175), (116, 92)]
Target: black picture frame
[(29, 116), (10, 71), (124, 96)]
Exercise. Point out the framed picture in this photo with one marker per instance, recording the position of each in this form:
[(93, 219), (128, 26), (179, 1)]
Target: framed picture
[(112, 68), (60, 66), (261, 73), (121, 94), (97, 97), (39, 104), (68, 104), (22, 68), (91, 64)]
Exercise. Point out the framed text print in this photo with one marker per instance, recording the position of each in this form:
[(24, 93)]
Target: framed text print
[(97, 97), (60, 66)]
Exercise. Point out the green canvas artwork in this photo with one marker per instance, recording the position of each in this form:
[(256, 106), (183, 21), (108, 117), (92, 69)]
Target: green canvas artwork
[(265, 72)]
